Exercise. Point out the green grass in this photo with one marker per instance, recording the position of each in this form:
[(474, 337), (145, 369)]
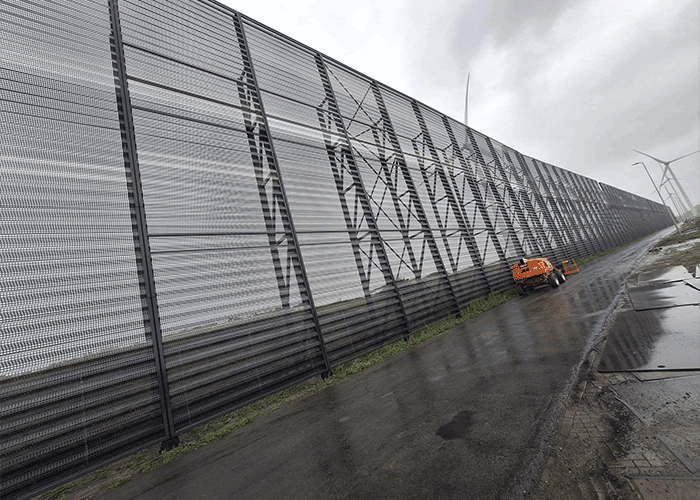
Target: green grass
[(123, 471)]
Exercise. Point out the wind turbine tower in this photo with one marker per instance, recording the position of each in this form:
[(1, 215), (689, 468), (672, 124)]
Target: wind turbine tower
[(666, 166)]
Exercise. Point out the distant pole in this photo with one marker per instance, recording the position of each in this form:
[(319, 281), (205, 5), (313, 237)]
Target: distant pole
[(667, 165), (680, 206), (676, 203), (466, 103), (659, 193)]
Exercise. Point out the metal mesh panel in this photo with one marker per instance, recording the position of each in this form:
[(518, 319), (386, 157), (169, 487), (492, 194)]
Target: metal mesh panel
[(397, 190), (234, 329), (77, 373), (543, 207), (182, 30), (327, 202)]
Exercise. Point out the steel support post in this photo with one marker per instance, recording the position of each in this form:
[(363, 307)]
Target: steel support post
[(388, 128), (590, 224), (598, 206), (259, 132), (522, 220), (628, 220), (616, 207), (144, 263), (595, 221), (594, 217), (588, 239), (342, 161), (478, 198)]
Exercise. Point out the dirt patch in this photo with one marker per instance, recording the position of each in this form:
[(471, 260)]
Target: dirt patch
[(686, 254), (678, 249)]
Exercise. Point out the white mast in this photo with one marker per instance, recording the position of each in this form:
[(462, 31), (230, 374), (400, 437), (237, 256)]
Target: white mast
[(466, 103)]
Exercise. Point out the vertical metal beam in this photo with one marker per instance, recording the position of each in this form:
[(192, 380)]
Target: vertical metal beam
[(478, 198), (151, 317), (592, 221), (589, 226), (593, 217), (614, 205), (275, 176), (420, 212), (610, 204), (347, 160), (588, 240), (635, 228), (595, 205)]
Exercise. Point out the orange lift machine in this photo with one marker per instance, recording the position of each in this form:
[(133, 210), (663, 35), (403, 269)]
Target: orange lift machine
[(529, 274)]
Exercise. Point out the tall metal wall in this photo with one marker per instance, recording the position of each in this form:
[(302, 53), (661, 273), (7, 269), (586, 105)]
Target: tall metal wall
[(197, 211)]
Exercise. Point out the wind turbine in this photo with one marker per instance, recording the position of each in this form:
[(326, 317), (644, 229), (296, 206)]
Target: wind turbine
[(667, 167)]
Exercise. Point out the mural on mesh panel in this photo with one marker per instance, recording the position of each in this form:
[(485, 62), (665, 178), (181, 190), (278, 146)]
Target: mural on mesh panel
[(401, 212)]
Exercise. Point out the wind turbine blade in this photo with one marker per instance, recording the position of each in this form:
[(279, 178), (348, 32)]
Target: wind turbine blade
[(660, 161), (698, 151)]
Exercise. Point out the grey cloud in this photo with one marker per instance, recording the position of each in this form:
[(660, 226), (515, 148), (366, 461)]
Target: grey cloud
[(500, 22)]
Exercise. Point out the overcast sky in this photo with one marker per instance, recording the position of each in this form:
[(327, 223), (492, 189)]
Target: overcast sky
[(575, 83)]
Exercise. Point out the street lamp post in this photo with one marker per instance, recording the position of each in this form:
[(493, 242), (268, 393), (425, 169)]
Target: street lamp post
[(657, 192)]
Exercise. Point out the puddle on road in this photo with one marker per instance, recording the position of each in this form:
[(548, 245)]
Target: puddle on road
[(676, 273), (457, 428), (661, 295), (660, 339)]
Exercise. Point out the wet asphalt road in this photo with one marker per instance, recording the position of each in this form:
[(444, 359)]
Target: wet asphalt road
[(464, 415)]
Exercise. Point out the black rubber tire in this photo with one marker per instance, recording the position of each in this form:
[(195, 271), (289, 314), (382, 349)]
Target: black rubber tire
[(553, 280), (562, 276), (520, 289)]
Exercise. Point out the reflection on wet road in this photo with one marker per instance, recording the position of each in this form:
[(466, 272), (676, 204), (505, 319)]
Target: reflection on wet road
[(662, 295), (661, 331)]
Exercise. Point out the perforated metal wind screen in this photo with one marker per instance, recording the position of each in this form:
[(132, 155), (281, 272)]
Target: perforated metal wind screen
[(197, 211), (235, 323), (347, 268), (77, 374)]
